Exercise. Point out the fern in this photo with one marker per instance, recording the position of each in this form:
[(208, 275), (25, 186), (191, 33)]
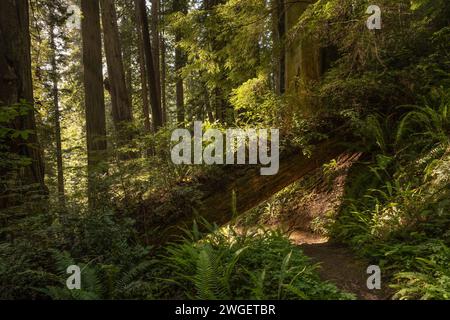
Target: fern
[(206, 281), (221, 266), (430, 121)]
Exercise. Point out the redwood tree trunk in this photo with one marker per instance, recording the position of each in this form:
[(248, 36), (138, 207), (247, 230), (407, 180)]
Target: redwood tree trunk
[(16, 86), (218, 95), (120, 99), (180, 62), (162, 41), (143, 76), (163, 78), (279, 33), (94, 96), (55, 93), (246, 183), (156, 47), (148, 54)]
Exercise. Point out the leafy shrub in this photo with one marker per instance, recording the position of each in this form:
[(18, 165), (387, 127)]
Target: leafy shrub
[(253, 265), (397, 210), (36, 250)]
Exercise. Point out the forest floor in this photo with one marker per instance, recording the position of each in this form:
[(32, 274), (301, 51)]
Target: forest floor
[(302, 214), (339, 265)]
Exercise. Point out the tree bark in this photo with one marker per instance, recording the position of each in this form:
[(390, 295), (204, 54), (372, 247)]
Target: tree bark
[(55, 93), (16, 86), (303, 56), (156, 48), (143, 77), (163, 78), (94, 97), (127, 35), (219, 95), (149, 62), (279, 33), (163, 68), (246, 183), (180, 62), (120, 99)]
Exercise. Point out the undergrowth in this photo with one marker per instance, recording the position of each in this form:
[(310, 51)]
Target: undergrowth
[(397, 208), (215, 264), (260, 264)]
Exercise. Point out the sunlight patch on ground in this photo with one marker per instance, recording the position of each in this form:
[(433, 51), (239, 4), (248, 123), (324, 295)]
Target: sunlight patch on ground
[(303, 237)]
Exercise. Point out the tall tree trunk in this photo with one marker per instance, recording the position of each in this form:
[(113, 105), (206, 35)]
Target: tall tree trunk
[(163, 78), (120, 99), (156, 48), (144, 87), (219, 96), (127, 35), (143, 77), (94, 97), (16, 86), (279, 33), (180, 62), (303, 56), (163, 66), (151, 79), (55, 93)]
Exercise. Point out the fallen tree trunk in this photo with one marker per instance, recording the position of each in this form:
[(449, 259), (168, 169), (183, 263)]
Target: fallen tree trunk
[(251, 189), (212, 199)]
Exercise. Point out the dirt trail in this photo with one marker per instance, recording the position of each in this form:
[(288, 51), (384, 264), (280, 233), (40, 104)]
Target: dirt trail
[(339, 265), (298, 217)]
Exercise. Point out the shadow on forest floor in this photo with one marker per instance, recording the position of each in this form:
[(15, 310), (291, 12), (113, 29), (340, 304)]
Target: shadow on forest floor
[(339, 265)]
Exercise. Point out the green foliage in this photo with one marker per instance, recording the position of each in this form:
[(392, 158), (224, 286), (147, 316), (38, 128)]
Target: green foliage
[(226, 264), (215, 37), (427, 124), (376, 71), (7, 116), (36, 250), (219, 264), (397, 208), (11, 161), (255, 103), (433, 282)]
